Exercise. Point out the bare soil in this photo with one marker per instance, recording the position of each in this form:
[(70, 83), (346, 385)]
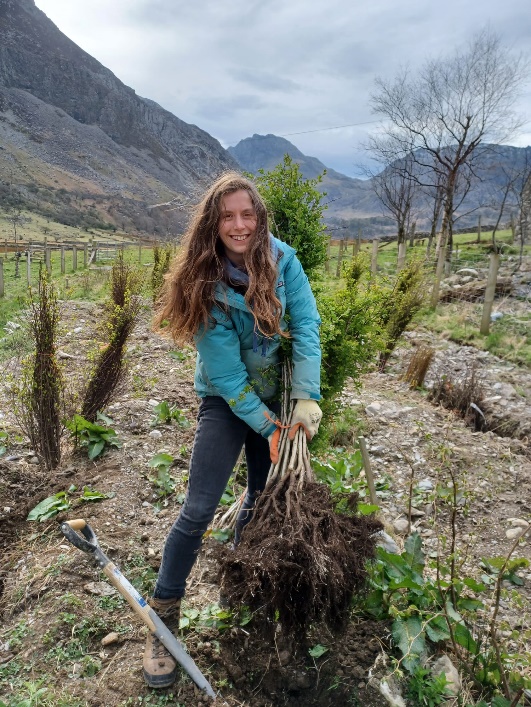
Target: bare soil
[(53, 619)]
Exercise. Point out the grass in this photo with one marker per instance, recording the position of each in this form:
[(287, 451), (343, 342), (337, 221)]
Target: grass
[(84, 284), (467, 253), (509, 337)]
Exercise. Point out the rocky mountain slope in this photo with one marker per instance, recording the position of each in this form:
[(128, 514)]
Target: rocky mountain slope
[(74, 137)]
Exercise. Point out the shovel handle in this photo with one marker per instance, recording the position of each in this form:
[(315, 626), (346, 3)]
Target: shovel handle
[(77, 524), (88, 543)]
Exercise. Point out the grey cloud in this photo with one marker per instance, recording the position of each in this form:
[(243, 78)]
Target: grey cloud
[(265, 80), (227, 108)]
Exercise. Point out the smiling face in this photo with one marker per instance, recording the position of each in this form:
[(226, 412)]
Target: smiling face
[(237, 224)]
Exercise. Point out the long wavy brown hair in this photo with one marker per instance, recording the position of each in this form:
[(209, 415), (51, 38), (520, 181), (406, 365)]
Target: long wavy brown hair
[(189, 288)]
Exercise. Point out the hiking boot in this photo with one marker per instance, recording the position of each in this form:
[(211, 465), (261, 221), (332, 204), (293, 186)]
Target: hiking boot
[(160, 667)]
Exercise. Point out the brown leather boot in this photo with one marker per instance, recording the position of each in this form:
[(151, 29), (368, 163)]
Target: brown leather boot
[(160, 667)]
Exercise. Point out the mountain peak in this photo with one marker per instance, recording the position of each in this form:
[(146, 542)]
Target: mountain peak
[(72, 117)]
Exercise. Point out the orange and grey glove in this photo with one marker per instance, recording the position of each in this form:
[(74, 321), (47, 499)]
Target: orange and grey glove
[(274, 437), (306, 414), (273, 440)]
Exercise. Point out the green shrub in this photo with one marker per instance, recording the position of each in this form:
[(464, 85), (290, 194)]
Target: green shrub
[(122, 311), (40, 391), (296, 210)]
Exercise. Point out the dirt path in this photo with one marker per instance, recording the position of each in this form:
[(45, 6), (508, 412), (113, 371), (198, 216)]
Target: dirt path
[(55, 610)]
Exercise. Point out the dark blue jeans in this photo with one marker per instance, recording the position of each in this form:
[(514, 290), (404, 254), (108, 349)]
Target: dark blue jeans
[(219, 438)]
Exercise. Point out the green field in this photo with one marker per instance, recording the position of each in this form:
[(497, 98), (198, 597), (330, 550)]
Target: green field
[(509, 338)]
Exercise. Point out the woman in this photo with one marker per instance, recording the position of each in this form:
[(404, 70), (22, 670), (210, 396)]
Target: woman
[(228, 292)]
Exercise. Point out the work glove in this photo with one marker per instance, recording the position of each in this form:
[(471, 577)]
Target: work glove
[(307, 414), (273, 440), (274, 437)]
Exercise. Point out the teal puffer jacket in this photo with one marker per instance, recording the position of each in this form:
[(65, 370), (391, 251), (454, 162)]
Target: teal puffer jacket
[(241, 367)]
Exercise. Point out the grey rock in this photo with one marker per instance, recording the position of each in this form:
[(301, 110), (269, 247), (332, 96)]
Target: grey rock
[(513, 533), (425, 484), (401, 525), (443, 664), (416, 512), (386, 541), (468, 271), (389, 689), (101, 589)]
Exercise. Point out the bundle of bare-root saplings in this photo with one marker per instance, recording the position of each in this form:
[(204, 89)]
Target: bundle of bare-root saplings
[(298, 561)]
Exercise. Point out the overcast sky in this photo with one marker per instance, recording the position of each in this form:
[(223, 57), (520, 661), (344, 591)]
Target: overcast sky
[(275, 66)]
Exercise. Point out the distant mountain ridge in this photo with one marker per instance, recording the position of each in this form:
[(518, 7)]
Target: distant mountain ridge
[(346, 197), (352, 203), (68, 124)]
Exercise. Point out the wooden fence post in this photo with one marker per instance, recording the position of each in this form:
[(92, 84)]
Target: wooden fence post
[(368, 470), (28, 265), (74, 258), (85, 255), (401, 260), (490, 291), (339, 258), (48, 259), (1, 277), (434, 299), (374, 258), (412, 234)]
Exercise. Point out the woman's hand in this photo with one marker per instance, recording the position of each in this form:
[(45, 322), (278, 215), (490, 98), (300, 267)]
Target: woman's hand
[(307, 414)]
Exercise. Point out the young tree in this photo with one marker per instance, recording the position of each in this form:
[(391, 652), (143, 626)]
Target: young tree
[(296, 211), (444, 113)]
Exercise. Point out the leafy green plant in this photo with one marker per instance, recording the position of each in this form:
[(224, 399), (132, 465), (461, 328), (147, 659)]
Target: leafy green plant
[(96, 438), (399, 305), (317, 651), (349, 338), (418, 603), (164, 481), (343, 476), (166, 413), (427, 690), (16, 635), (161, 257), (213, 616), (440, 608), (51, 506), (178, 355)]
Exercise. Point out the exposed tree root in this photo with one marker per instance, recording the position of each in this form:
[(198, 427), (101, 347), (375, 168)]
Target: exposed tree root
[(298, 560)]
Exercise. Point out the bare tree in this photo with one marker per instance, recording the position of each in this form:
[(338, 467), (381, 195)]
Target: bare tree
[(446, 111), (521, 188), (396, 189)]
